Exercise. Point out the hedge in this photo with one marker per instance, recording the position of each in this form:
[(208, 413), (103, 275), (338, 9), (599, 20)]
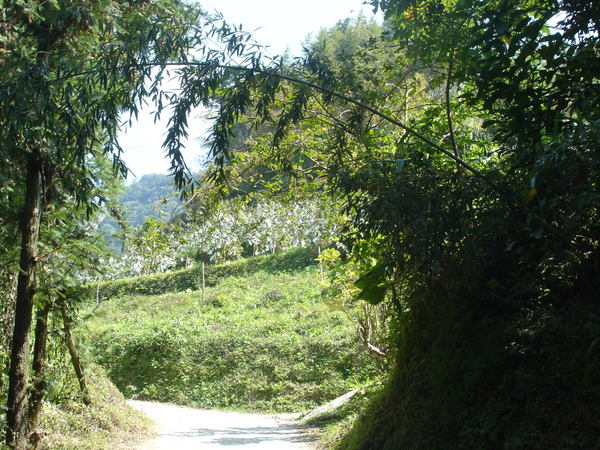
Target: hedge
[(191, 278)]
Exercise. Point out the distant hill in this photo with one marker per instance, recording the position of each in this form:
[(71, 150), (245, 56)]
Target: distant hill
[(152, 196), (141, 199)]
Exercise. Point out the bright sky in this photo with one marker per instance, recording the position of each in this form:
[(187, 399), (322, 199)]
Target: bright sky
[(279, 24)]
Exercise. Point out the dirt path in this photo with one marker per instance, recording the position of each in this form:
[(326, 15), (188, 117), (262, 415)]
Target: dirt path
[(188, 428)]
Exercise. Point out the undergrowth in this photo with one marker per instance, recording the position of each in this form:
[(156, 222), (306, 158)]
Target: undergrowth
[(333, 426), (456, 384), (66, 422), (261, 342), (107, 423)]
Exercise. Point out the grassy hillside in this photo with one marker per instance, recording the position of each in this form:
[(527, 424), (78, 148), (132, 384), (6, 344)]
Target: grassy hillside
[(262, 341), (108, 422)]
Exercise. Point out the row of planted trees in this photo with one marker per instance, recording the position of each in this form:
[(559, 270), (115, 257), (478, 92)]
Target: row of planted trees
[(460, 138), (229, 232)]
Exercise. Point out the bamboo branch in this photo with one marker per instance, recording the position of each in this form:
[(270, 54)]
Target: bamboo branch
[(392, 120), (449, 109)]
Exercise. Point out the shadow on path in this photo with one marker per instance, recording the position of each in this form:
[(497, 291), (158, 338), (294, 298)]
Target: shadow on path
[(189, 428)]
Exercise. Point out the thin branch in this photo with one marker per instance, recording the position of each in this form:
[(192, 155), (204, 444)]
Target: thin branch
[(449, 108)]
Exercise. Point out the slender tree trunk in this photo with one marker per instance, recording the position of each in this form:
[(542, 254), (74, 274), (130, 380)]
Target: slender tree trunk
[(75, 359), (39, 384), (16, 414)]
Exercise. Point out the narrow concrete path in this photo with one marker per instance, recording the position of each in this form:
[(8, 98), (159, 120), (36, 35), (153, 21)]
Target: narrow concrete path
[(181, 428)]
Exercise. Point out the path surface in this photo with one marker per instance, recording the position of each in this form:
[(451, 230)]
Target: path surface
[(188, 428)]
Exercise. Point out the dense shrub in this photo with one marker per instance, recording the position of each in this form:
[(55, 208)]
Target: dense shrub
[(108, 422), (473, 388)]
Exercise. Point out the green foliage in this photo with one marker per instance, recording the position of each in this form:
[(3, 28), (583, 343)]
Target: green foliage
[(464, 383), (462, 143), (107, 423), (263, 341), (69, 73), (497, 318), (82, 66)]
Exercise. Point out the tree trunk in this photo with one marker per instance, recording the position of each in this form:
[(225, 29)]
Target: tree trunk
[(16, 414), (75, 359), (36, 398)]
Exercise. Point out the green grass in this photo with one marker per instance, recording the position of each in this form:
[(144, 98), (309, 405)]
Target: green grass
[(262, 342), (107, 423)]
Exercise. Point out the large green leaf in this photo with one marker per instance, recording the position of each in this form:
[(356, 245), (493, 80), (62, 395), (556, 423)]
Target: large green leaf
[(373, 285)]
